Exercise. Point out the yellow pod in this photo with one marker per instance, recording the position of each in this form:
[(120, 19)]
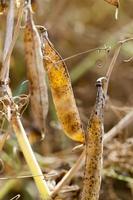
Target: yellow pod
[(62, 92)]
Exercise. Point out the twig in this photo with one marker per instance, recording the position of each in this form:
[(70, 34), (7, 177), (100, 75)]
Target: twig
[(30, 157), (16, 197), (113, 61), (111, 66), (8, 39), (9, 28), (128, 59), (121, 109), (112, 173), (123, 123), (8, 47), (90, 61), (84, 52), (6, 60), (69, 174), (19, 177)]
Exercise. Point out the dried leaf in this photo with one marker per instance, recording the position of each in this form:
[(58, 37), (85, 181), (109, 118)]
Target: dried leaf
[(36, 73), (94, 148), (113, 2), (62, 92)]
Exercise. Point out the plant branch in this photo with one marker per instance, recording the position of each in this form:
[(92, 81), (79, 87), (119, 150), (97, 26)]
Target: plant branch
[(69, 174), (30, 157), (8, 39), (8, 49), (123, 123), (111, 66), (113, 61)]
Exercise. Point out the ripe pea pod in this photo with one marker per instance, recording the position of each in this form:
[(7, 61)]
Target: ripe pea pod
[(61, 88), (35, 73), (94, 148)]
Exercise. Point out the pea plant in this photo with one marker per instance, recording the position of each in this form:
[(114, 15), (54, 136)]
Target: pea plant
[(46, 70)]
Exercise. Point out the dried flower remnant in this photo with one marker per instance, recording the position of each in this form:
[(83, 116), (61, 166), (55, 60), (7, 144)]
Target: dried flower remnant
[(94, 148), (61, 88), (36, 74)]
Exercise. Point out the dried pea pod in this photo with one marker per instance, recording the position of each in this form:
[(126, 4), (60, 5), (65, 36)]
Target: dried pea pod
[(94, 148), (61, 88), (35, 73)]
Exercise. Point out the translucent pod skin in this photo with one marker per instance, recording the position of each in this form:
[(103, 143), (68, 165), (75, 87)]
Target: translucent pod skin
[(94, 149), (62, 92), (36, 74)]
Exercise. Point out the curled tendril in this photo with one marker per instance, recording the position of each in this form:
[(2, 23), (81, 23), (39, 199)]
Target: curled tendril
[(5, 107), (3, 104), (22, 102)]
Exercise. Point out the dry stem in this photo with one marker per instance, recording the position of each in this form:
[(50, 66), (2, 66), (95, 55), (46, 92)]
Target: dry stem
[(30, 158), (6, 61), (69, 174)]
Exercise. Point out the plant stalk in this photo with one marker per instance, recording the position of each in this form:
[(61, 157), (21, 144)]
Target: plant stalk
[(30, 157)]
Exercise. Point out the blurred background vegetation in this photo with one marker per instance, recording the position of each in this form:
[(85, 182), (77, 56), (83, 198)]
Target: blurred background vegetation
[(75, 26)]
